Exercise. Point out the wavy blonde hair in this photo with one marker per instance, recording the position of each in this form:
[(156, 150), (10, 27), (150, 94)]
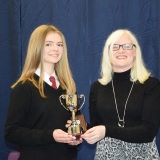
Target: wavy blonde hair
[(138, 71), (34, 60)]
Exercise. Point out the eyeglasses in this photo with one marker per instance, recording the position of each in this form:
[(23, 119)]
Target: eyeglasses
[(127, 46)]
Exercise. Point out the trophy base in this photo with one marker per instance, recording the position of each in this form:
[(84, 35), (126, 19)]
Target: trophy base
[(75, 130), (77, 135)]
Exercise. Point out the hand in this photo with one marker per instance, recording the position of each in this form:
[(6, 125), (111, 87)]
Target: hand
[(76, 142), (69, 122), (62, 137), (94, 134)]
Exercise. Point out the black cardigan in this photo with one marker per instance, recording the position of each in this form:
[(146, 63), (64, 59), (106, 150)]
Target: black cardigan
[(31, 121)]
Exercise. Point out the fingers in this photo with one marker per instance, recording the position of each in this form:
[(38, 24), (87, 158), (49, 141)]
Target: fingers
[(62, 137), (90, 130), (90, 138), (69, 122), (76, 142), (94, 134), (67, 125), (89, 133)]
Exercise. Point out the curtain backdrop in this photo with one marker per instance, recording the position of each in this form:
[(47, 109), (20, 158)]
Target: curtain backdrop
[(86, 25)]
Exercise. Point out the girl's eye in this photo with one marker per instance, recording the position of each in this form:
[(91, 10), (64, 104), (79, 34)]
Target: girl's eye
[(60, 45), (48, 44), (52, 44)]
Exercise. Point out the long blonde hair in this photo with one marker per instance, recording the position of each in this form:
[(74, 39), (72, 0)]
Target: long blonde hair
[(138, 71), (34, 60)]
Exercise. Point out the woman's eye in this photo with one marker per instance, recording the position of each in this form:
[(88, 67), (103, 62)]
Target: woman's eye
[(115, 47), (128, 46)]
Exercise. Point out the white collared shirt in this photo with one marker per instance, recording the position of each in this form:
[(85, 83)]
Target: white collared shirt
[(47, 76)]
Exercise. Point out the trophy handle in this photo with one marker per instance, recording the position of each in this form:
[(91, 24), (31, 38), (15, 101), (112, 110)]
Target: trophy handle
[(63, 97), (81, 96)]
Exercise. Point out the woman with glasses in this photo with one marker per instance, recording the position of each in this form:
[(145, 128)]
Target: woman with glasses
[(124, 103)]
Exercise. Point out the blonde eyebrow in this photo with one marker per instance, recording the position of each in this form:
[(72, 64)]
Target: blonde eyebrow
[(53, 42)]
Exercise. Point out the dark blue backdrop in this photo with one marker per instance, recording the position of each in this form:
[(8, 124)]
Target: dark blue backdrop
[(85, 24)]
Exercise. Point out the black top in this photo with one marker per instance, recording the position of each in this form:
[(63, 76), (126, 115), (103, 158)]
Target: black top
[(32, 119), (142, 117)]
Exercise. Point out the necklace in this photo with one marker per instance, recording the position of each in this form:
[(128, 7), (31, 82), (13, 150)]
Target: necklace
[(121, 122)]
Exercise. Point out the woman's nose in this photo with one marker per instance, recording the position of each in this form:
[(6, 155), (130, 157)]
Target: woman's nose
[(121, 50)]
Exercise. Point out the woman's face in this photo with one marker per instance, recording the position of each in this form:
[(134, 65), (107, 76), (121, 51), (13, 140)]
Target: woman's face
[(53, 49), (122, 57)]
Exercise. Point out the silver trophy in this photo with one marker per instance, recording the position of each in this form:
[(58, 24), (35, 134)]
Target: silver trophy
[(72, 104)]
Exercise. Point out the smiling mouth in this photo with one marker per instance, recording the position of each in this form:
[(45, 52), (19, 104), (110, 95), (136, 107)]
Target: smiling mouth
[(54, 55), (121, 57)]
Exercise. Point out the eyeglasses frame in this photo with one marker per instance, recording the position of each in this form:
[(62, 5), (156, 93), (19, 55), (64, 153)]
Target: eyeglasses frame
[(121, 45)]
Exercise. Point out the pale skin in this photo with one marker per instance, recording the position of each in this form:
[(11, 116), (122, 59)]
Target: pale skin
[(121, 60), (52, 53)]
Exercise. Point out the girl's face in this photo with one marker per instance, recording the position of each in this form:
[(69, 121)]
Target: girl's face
[(53, 49), (122, 57)]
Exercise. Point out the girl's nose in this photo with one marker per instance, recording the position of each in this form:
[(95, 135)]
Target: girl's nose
[(54, 47)]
